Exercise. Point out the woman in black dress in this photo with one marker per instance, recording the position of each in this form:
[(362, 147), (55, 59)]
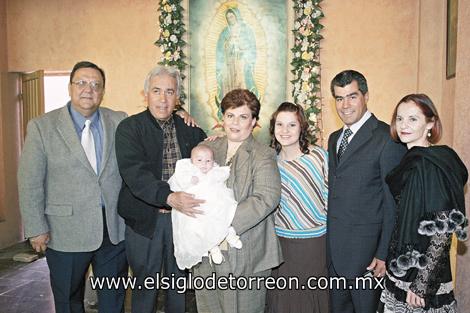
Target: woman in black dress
[(428, 189)]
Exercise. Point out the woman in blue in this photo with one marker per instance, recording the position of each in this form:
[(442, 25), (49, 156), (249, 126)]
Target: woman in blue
[(428, 187), (300, 220)]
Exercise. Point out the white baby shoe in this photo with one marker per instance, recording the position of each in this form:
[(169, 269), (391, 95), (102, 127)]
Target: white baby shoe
[(233, 240), (216, 256)]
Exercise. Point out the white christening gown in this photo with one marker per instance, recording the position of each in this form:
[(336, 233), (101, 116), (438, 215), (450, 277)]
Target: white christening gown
[(194, 237)]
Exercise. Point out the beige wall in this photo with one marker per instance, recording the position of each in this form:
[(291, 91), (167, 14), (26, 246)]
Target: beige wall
[(118, 35), (432, 63), (378, 38), (10, 223), (398, 45), (3, 67), (462, 140)]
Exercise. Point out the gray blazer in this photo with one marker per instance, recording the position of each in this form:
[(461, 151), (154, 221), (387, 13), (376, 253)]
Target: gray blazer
[(361, 209), (254, 178), (59, 192)]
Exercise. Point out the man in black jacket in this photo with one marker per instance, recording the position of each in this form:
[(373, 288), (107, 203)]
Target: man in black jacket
[(148, 145), (361, 209)]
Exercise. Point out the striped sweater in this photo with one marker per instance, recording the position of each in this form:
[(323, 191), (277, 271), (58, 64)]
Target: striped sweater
[(303, 207)]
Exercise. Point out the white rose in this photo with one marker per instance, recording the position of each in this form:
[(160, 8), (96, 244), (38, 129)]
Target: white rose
[(312, 117), (304, 46)]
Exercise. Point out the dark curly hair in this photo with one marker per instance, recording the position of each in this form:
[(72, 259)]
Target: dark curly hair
[(299, 112)]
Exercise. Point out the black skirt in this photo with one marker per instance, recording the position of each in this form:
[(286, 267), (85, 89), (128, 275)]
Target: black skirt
[(303, 258)]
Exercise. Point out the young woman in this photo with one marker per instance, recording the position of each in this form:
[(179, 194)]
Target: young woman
[(300, 220), (428, 189)]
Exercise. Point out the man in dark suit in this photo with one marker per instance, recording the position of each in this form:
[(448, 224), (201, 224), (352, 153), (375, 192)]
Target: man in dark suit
[(68, 183), (361, 210), (148, 145)]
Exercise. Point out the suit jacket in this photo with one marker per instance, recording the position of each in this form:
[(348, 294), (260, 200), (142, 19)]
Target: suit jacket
[(255, 181), (361, 209), (59, 191), (139, 150)]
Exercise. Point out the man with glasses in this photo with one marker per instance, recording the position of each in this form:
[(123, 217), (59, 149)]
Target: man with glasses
[(148, 145), (68, 189)]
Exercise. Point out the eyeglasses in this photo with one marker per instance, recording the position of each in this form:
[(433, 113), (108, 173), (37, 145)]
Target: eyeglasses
[(82, 84)]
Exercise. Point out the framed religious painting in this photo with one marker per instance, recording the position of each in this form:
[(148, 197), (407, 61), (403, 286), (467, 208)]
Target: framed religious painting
[(237, 44), (451, 53)]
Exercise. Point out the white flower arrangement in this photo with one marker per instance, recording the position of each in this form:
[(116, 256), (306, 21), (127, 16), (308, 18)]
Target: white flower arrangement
[(170, 40), (306, 61)]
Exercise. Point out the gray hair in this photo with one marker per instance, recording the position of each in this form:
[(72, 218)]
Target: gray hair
[(164, 70)]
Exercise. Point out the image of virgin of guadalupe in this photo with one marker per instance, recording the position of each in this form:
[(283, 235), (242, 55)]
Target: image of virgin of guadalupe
[(235, 57)]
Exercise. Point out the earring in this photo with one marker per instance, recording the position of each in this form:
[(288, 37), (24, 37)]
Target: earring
[(429, 133)]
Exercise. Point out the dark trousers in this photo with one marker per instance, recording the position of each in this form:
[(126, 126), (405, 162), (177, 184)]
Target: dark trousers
[(68, 271), (351, 299), (147, 257)]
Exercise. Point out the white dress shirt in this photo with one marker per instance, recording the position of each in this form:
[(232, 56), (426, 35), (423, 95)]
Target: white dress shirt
[(354, 128)]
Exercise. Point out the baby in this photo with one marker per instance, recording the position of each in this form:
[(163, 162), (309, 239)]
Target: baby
[(194, 237)]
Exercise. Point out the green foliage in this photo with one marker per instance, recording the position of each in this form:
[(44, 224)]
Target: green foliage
[(306, 62), (170, 40)]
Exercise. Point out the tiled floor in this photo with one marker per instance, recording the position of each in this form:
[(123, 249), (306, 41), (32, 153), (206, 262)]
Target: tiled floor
[(24, 287)]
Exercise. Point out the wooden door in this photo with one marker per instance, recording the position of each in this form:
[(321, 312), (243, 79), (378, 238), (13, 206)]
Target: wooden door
[(32, 98)]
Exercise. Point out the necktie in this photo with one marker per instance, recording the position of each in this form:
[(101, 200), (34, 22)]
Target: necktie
[(344, 142), (88, 144)]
